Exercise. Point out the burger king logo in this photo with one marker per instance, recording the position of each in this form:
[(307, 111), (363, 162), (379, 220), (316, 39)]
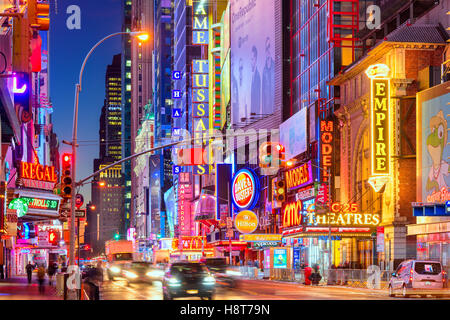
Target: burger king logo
[(245, 189), (246, 222)]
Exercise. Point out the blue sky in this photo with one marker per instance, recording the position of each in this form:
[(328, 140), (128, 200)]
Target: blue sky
[(68, 49)]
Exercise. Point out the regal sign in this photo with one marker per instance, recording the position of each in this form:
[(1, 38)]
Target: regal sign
[(37, 176), (245, 189)]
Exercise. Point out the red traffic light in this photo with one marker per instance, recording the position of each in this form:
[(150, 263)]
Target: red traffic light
[(66, 157)]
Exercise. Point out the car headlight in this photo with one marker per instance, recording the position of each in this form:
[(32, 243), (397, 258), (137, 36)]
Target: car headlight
[(115, 269), (173, 282), (130, 274), (209, 280), (155, 274), (233, 273)]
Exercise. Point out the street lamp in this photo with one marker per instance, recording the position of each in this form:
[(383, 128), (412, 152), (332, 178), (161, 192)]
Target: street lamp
[(142, 36)]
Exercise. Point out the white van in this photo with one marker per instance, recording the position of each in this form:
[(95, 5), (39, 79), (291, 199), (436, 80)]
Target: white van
[(414, 277)]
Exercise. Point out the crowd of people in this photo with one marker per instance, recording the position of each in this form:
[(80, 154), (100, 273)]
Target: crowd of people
[(51, 270)]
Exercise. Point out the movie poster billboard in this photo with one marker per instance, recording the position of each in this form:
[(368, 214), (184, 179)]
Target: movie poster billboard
[(433, 148), (293, 134), (252, 58)]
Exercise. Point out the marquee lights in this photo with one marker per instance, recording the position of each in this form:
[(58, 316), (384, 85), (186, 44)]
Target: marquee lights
[(380, 125)]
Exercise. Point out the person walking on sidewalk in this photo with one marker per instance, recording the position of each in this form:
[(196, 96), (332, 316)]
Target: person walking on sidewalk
[(41, 279), (51, 272), (29, 269)]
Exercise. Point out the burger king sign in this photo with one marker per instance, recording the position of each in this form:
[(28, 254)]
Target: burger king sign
[(245, 189), (246, 222)]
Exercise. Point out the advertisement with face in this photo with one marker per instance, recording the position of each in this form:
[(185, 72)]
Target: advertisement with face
[(434, 148), (252, 59)]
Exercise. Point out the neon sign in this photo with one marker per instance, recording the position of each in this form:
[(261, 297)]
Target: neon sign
[(17, 90), (380, 119), (326, 139), (344, 219), (200, 25), (246, 222), (292, 214), (35, 171), (41, 204), (245, 189), (299, 177), (20, 205)]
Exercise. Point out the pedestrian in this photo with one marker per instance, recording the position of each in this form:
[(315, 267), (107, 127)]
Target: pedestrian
[(94, 279), (41, 279), (51, 272), (308, 272), (29, 269), (315, 278)]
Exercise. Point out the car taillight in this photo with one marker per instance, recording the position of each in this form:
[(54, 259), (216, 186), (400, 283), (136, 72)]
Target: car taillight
[(411, 276)]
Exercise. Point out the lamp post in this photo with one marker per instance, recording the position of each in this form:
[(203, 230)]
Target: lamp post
[(142, 36)]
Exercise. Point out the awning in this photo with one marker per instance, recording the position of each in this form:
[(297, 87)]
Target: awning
[(205, 210), (427, 228)]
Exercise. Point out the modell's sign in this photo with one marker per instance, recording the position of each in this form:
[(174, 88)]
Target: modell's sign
[(299, 177), (37, 176)]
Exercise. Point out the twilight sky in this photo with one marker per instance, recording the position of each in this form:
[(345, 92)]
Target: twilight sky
[(68, 49)]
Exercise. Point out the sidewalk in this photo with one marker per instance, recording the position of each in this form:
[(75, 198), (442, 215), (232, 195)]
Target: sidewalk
[(18, 289)]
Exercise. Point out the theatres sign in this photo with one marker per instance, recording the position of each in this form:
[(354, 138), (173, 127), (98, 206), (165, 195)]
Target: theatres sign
[(37, 176)]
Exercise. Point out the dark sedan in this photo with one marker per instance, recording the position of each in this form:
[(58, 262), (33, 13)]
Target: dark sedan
[(188, 279)]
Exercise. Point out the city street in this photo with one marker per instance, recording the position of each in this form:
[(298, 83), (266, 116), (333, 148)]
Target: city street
[(250, 290)]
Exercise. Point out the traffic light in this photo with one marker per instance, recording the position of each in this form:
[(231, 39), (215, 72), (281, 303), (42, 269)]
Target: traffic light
[(280, 190), (265, 155), (53, 237), (281, 154), (22, 96), (38, 15), (116, 236), (66, 176)]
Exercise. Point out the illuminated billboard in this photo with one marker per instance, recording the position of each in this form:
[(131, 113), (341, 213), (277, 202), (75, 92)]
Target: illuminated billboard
[(293, 134), (252, 58), (433, 149)]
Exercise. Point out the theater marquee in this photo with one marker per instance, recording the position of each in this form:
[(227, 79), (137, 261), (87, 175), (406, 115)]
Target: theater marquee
[(379, 125)]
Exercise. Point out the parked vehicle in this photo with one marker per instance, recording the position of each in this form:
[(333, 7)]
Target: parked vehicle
[(414, 277), (188, 279)]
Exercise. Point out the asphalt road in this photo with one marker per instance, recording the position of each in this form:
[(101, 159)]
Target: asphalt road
[(251, 290)]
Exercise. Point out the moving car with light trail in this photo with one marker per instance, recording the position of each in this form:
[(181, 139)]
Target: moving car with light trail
[(188, 279)]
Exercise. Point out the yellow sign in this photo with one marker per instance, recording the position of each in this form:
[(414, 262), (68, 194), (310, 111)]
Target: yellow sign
[(260, 237), (380, 119), (246, 222), (345, 219)]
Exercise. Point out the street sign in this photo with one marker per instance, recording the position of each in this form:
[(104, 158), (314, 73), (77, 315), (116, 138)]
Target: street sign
[(230, 233), (79, 200), (229, 223), (80, 213)]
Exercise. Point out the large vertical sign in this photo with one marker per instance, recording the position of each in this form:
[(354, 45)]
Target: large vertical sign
[(379, 125), (184, 204), (223, 190), (200, 24), (326, 148)]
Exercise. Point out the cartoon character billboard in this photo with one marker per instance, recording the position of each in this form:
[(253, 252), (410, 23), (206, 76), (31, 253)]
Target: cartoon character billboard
[(433, 152)]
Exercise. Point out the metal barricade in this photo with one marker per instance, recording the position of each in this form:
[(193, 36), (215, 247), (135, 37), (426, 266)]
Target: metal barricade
[(357, 278)]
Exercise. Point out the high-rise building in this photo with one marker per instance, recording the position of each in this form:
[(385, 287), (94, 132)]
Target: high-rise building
[(163, 61), (107, 188), (126, 111)]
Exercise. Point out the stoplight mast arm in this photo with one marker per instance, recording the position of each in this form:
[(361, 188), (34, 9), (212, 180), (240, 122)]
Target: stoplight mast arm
[(173, 144)]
